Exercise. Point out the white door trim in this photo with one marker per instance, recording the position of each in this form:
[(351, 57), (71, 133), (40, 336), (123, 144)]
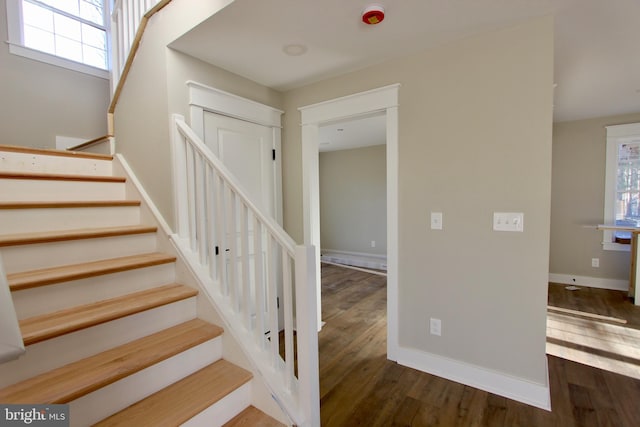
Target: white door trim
[(383, 99), (203, 98)]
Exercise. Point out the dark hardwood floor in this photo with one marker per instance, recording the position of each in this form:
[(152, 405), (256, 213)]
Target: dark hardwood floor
[(597, 327), (359, 386)]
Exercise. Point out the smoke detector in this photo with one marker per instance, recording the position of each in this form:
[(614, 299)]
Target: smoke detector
[(373, 14)]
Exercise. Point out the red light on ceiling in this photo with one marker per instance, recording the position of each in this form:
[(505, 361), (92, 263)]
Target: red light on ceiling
[(373, 15)]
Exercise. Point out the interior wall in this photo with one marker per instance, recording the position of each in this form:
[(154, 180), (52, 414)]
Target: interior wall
[(475, 125), (182, 68), (577, 200), (40, 101), (353, 200), (156, 88)]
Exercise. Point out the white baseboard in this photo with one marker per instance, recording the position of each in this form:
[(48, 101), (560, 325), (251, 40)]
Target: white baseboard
[(357, 259), (591, 282), (518, 389)]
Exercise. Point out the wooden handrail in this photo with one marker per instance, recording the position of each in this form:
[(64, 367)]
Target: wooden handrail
[(129, 62), (89, 143)]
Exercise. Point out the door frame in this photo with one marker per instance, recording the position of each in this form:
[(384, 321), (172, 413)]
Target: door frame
[(383, 99), (203, 98)]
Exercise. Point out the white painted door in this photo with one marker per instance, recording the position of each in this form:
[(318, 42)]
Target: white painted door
[(247, 149)]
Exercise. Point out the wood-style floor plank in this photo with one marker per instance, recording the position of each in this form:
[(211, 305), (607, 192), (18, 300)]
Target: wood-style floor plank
[(359, 386), (50, 325), (51, 152), (68, 204), (48, 276), (181, 401), (72, 381), (60, 177), (77, 234), (253, 417)]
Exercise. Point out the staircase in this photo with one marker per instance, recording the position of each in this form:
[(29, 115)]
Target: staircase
[(107, 329)]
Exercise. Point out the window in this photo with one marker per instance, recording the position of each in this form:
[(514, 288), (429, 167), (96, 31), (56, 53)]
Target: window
[(622, 191), (67, 33)]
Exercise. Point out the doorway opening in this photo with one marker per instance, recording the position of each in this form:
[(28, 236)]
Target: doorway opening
[(383, 101), (353, 175)]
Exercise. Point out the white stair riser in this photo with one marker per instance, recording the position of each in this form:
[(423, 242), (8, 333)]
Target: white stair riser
[(45, 299), (53, 219), (25, 162), (45, 255), (223, 410), (13, 190), (54, 353), (108, 400)]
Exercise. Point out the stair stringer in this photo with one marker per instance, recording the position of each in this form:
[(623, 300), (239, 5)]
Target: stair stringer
[(261, 394)]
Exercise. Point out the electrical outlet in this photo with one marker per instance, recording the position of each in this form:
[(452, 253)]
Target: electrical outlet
[(373, 243), (435, 326), (595, 262)]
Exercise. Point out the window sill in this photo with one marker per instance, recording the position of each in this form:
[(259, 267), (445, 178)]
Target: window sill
[(57, 61), (609, 246)]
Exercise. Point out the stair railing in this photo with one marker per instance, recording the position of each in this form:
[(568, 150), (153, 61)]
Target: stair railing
[(11, 344), (127, 17), (251, 268)]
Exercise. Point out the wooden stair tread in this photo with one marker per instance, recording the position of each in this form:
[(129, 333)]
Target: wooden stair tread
[(46, 326), (68, 204), (48, 276), (253, 417), (78, 234), (51, 152), (60, 177), (184, 399), (72, 381)]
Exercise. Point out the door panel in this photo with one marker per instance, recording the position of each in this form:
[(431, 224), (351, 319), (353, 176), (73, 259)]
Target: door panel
[(245, 148)]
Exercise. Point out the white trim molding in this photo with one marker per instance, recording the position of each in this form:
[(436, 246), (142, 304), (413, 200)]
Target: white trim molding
[(17, 47), (520, 389), (590, 282), (225, 103), (357, 259), (203, 98), (383, 99), (616, 136)]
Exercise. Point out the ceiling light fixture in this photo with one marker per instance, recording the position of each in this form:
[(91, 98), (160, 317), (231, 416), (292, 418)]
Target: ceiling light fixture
[(294, 49), (373, 14)]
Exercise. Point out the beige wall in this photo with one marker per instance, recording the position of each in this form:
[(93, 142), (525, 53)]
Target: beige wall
[(156, 88), (39, 101), (353, 200), (475, 125), (577, 200)]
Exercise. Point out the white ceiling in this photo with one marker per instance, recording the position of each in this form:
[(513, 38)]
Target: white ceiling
[(597, 42), (355, 133)]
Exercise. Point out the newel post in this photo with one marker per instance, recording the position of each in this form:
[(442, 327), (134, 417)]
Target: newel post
[(180, 190), (307, 328)]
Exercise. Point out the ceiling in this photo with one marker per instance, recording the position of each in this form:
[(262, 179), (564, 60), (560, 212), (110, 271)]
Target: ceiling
[(597, 42)]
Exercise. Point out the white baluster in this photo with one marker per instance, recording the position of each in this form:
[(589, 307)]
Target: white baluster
[(288, 318)]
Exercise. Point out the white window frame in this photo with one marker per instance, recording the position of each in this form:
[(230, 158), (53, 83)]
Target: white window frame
[(17, 47), (614, 136)]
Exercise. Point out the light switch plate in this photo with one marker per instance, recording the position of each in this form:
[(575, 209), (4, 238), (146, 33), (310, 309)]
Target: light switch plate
[(508, 221), (436, 220)]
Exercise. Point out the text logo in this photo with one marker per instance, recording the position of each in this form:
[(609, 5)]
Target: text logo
[(34, 415)]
